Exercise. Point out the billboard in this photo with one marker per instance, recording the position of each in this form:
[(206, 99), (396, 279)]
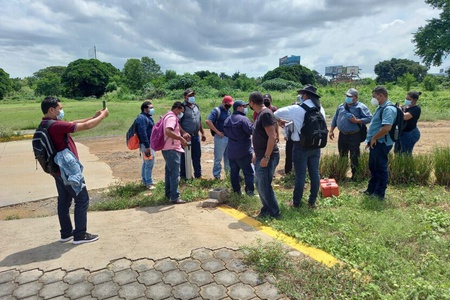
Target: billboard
[(333, 70), (337, 71), (289, 61)]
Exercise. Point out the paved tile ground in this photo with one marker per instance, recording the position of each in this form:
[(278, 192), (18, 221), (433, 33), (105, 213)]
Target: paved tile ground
[(206, 274)]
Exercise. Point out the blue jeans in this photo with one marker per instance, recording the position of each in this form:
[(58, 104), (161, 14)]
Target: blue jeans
[(220, 152), (172, 173), (305, 158), (407, 141), (244, 164), (147, 166), (65, 196), (379, 173), (264, 185), (196, 153)]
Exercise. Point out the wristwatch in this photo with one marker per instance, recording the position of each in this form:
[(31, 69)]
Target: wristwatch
[(266, 157)]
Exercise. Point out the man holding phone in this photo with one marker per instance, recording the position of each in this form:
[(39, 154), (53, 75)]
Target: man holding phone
[(144, 126)]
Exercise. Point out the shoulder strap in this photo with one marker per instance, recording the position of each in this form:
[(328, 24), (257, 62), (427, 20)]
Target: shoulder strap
[(218, 114), (49, 123)]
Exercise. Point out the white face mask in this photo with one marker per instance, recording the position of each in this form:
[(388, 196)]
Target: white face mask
[(245, 110), (374, 102), (180, 115)]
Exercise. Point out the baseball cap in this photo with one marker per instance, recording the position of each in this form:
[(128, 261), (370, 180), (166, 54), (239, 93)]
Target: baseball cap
[(267, 96), (238, 103), (188, 92), (227, 100), (351, 92)]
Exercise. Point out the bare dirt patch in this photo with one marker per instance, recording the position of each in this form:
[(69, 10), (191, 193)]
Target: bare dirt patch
[(126, 164)]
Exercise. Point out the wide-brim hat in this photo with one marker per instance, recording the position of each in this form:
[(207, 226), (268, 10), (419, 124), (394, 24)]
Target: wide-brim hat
[(309, 89)]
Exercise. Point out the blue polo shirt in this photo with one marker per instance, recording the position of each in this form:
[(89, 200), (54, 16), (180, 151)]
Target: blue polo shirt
[(389, 115)]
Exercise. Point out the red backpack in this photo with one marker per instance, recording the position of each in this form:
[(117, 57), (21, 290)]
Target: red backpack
[(157, 139)]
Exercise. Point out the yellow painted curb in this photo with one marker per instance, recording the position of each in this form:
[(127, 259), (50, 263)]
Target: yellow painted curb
[(317, 254)]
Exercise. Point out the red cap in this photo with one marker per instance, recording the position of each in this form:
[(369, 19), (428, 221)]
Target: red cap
[(227, 100)]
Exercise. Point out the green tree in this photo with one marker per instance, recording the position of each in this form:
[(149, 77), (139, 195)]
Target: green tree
[(407, 80), (86, 77), (390, 70), (5, 84), (151, 70), (48, 81), (133, 74), (429, 83), (295, 73), (433, 40)]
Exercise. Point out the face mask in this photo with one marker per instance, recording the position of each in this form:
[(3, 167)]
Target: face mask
[(180, 115), (267, 103), (348, 100), (374, 102), (152, 111), (61, 115), (191, 100), (227, 107), (407, 102), (245, 110), (300, 99)]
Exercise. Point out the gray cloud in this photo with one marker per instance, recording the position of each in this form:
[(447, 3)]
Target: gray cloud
[(220, 36)]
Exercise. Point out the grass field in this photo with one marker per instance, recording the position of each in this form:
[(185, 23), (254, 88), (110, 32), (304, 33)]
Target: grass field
[(399, 247)]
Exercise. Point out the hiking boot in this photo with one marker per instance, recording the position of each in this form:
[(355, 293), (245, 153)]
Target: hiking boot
[(66, 238), (86, 238)]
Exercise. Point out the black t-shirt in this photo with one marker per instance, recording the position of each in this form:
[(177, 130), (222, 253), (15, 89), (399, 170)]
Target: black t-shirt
[(260, 138), (412, 123)]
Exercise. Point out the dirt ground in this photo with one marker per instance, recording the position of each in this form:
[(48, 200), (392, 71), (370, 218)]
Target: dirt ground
[(126, 164)]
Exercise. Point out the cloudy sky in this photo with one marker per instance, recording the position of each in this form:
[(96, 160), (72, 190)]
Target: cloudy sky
[(248, 36)]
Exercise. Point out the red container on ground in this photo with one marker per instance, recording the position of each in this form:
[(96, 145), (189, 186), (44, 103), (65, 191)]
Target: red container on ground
[(329, 187)]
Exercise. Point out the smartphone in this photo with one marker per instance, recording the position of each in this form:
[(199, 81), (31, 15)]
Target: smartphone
[(104, 104)]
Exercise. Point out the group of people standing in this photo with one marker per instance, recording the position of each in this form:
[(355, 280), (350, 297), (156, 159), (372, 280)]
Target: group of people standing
[(245, 147)]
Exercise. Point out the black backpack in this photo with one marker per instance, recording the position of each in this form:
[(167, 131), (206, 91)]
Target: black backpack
[(43, 148), (314, 132), (399, 123)]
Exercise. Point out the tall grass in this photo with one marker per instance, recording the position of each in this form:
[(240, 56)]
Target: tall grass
[(442, 166), (406, 169), (334, 166)]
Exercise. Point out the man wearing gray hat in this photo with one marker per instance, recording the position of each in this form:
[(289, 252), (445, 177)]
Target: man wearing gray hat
[(351, 118)]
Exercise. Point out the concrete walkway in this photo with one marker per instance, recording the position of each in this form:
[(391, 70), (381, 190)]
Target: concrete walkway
[(165, 252)]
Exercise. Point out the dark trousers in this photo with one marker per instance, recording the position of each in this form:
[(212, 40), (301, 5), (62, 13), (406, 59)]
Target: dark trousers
[(65, 196), (350, 143), (379, 173), (288, 161), (196, 153), (244, 164)]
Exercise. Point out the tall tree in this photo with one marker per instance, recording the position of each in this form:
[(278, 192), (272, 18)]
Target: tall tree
[(151, 70), (133, 74), (433, 40), (5, 84), (85, 77), (390, 70), (48, 81), (295, 73)]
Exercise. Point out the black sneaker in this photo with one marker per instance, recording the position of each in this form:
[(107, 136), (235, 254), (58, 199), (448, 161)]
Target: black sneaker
[(66, 238), (87, 238)]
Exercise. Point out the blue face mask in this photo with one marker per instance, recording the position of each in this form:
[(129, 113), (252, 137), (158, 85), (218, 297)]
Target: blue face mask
[(348, 100), (299, 99), (61, 115), (180, 115), (191, 100), (245, 110), (407, 102), (152, 111)]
